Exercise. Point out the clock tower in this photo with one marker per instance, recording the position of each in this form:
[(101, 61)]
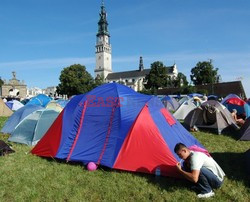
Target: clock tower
[(103, 46)]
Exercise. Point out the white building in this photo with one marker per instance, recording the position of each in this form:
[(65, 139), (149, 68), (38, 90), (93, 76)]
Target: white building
[(33, 91)]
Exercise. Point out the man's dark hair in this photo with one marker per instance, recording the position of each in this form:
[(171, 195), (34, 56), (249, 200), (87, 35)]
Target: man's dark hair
[(179, 146)]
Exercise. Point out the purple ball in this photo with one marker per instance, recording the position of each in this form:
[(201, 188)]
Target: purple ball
[(92, 166)]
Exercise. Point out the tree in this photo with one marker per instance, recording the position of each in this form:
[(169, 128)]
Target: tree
[(204, 73), (157, 77), (1, 82), (180, 80), (75, 80), (99, 80)]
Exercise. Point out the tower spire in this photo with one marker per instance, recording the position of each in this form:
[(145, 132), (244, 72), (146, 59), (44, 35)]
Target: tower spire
[(141, 66), (103, 23)]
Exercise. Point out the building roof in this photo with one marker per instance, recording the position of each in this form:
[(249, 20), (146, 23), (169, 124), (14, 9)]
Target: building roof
[(133, 73), (220, 89)]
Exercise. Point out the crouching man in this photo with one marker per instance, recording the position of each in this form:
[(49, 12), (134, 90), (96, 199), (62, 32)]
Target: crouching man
[(201, 169)]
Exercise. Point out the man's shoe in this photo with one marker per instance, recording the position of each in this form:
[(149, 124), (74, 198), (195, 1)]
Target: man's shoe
[(206, 195)]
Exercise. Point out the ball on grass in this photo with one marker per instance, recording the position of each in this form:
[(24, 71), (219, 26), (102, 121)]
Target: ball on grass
[(91, 166)]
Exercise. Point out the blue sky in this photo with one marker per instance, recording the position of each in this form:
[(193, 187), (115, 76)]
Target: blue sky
[(38, 38)]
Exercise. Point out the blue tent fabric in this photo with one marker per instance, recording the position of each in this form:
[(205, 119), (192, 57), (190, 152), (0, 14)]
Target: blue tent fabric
[(195, 94), (40, 99), (212, 97), (18, 116), (247, 110), (9, 104), (14, 104)]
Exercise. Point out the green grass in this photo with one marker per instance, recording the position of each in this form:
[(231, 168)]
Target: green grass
[(24, 177)]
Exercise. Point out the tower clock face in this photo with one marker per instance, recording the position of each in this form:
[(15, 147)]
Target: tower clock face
[(106, 39)]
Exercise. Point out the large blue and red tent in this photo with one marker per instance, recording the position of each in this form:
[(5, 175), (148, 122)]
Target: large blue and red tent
[(114, 126)]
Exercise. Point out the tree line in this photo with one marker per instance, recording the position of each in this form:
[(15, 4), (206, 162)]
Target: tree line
[(75, 79)]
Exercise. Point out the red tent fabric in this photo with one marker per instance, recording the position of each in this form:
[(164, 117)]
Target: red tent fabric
[(236, 101)]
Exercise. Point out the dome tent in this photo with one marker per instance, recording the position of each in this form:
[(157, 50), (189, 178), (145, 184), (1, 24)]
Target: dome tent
[(211, 114), (32, 128), (183, 110), (4, 110), (114, 126), (18, 116), (14, 104), (41, 100), (170, 103)]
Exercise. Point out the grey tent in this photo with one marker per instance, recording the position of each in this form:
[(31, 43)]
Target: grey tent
[(32, 128), (170, 103), (211, 114), (187, 106), (245, 130)]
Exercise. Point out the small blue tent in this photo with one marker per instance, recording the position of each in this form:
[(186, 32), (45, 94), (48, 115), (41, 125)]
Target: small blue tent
[(40, 99)]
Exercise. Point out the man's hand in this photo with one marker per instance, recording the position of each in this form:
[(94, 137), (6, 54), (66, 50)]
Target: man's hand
[(178, 166)]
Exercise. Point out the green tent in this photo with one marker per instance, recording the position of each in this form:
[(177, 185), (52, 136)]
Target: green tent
[(32, 128)]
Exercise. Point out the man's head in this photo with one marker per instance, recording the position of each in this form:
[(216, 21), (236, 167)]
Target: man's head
[(182, 151), (235, 111)]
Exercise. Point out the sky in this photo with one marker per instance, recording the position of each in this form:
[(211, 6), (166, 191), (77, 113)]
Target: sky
[(38, 38)]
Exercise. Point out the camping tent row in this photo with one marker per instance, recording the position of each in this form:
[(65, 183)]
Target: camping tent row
[(28, 124), (114, 126)]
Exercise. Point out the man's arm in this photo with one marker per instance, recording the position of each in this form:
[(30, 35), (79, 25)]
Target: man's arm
[(193, 176)]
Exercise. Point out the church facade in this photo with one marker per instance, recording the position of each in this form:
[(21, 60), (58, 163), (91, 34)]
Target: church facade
[(134, 79)]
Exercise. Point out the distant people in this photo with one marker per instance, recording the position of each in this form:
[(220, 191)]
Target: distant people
[(197, 101), (239, 121), (201, 169), (4, 100), (205, 98)]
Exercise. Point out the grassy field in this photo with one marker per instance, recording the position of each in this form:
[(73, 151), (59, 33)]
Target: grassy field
[(24, 177)]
